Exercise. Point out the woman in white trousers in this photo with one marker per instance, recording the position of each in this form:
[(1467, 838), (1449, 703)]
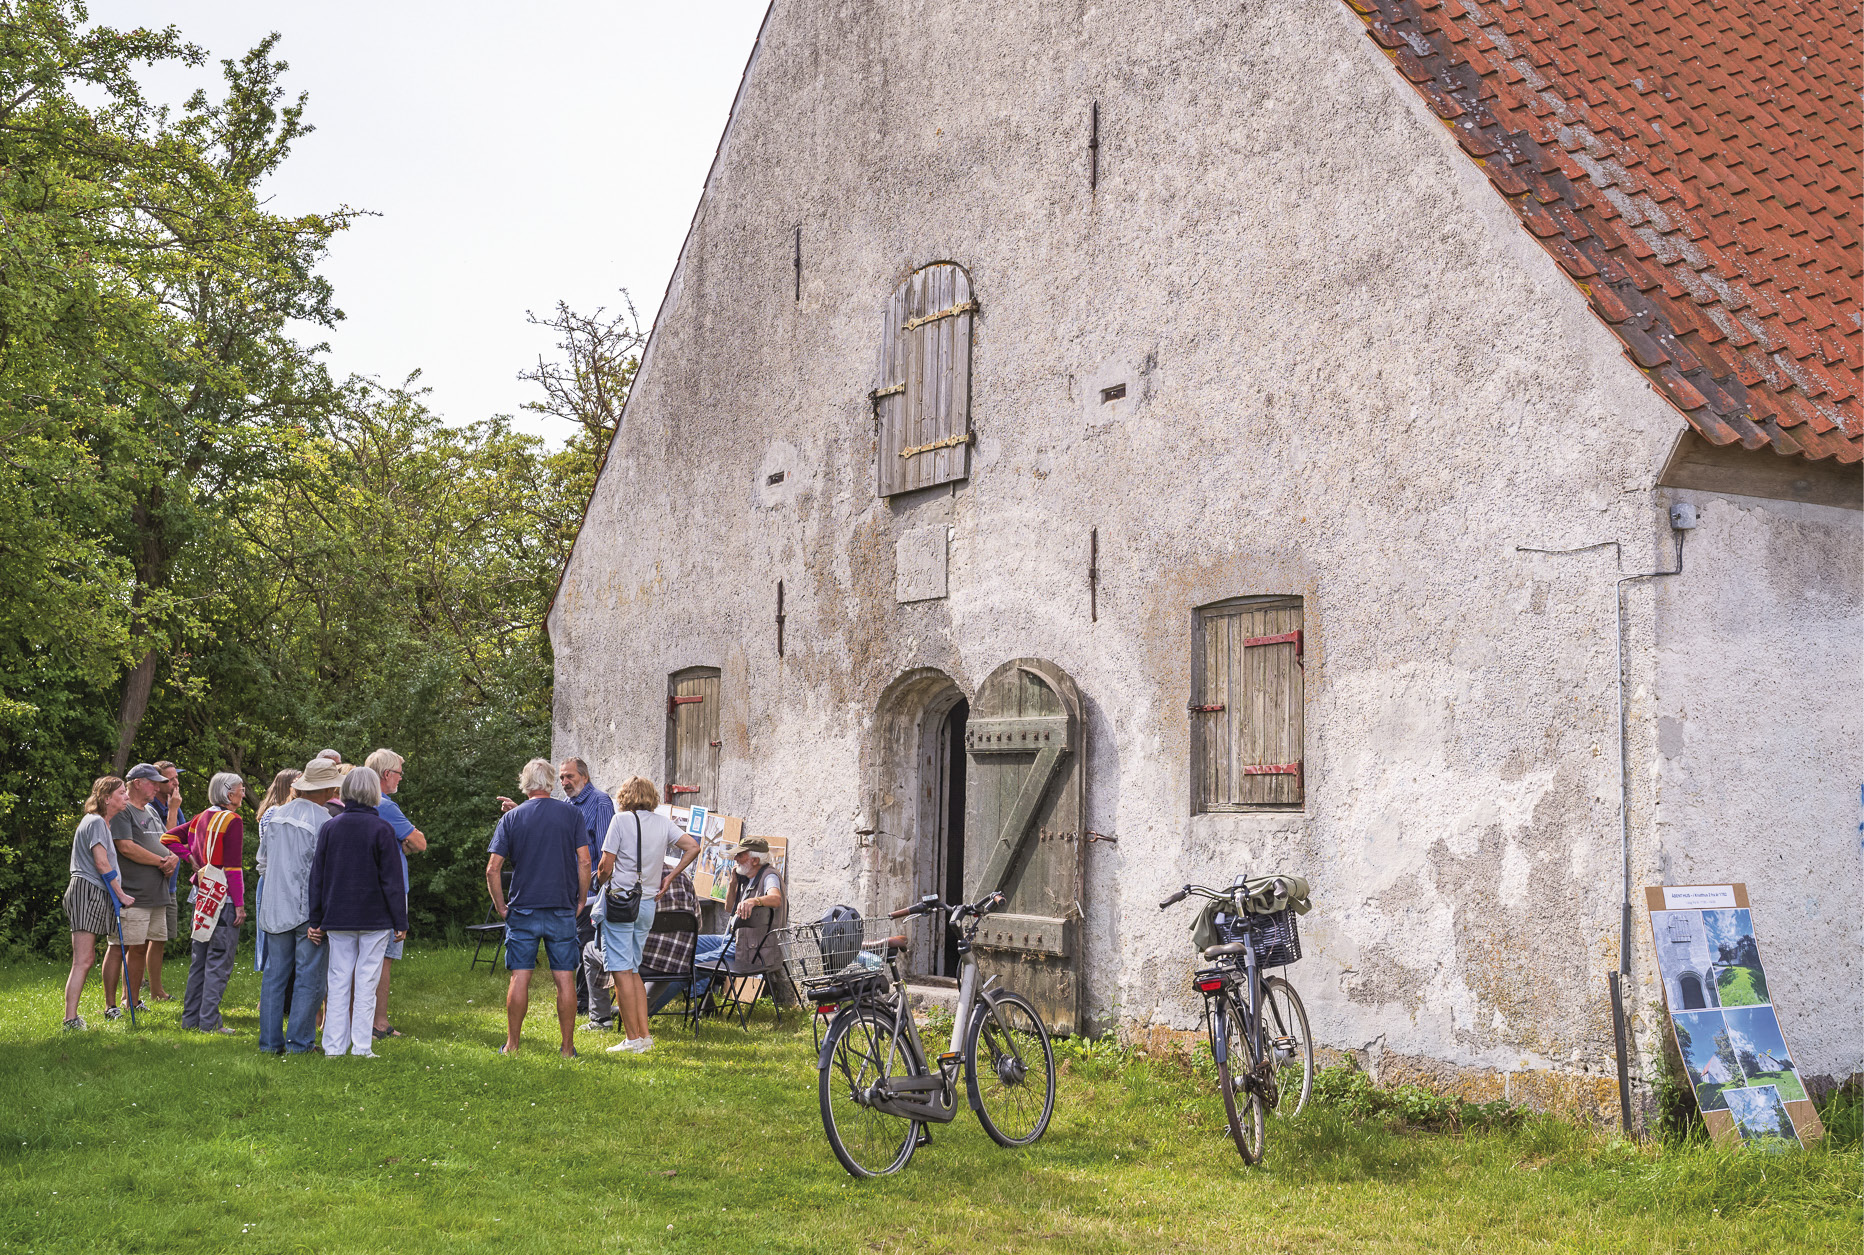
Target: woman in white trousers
[(355, 970), (357, 905)]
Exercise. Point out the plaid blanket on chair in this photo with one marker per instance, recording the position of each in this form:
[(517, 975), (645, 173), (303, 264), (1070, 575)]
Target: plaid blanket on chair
[(671, 952)]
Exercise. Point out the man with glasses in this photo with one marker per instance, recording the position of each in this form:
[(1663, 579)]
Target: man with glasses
[(387, 764), (597, 809)]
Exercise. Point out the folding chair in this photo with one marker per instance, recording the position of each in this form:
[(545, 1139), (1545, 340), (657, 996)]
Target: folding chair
[(490, 933), (731, 991), (678, 932)]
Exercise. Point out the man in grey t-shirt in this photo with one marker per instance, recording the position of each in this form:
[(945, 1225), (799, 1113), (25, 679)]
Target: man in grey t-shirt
[(146, 863)]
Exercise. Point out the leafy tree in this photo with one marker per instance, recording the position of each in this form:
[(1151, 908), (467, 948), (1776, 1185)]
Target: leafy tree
[(587, 388), (214, 553), (145, 378)]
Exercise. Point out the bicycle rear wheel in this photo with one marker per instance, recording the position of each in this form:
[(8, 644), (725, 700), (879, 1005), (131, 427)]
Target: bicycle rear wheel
[(1241, 1104), (1284, 1023), (864, 1051), (1011, 1070)]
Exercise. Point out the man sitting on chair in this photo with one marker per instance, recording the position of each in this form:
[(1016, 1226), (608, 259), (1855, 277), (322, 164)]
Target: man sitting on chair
[(755, 897)]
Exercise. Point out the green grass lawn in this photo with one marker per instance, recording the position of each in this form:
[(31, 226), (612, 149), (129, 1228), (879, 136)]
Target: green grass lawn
[(1741, 987), (1786, 1082), (156, 1140)]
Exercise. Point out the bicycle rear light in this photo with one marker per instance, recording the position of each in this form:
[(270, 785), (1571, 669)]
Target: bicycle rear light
[(828, 1008), (1210, 986)]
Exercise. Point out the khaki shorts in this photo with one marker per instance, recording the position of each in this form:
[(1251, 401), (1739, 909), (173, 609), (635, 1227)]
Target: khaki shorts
[(142, 924)]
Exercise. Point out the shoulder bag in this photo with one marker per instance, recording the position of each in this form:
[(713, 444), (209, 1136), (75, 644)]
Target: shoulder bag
[(625, 907), (210, 882)]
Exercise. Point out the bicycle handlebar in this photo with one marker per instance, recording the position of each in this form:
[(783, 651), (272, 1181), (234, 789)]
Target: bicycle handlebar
[(991, 901), (1232, 894), (1202, 891)]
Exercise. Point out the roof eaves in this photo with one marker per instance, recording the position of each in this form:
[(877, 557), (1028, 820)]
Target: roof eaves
[(1692, 213)]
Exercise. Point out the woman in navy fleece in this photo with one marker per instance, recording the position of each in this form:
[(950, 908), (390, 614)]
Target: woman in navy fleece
[(357, 904)]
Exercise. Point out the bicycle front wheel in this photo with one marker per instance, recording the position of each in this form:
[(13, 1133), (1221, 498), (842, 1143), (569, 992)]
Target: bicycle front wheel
[(864, 1051), (1242, 1105), (1284, 1023), (1011, 1070)]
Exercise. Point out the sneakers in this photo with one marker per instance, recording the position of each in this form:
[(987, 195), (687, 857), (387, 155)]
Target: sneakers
[(599, 1025), (113, 1013), (76, 1024), (633, 1046)]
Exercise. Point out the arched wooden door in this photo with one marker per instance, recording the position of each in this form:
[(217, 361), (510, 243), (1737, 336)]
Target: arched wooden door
[(1024, 817)]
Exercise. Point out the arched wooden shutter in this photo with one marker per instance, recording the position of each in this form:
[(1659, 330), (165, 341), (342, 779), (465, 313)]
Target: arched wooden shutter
[(923, 403)]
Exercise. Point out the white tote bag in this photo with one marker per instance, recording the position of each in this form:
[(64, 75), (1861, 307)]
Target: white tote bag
[(210, 882)]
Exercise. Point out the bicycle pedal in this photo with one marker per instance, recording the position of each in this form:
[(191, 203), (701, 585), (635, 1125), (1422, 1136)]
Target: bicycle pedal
[(952, 1057), (925, 1137)]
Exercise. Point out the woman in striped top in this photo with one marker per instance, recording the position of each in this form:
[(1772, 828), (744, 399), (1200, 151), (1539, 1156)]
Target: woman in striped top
[(216, 837)]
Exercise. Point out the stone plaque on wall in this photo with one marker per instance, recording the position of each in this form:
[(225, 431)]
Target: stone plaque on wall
[(919, 564)]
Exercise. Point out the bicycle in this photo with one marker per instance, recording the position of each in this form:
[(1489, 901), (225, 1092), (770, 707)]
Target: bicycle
[(877, 1086), (1253, 1020)]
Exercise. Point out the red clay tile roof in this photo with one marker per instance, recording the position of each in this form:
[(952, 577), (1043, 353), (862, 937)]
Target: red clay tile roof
[(1694, 167)]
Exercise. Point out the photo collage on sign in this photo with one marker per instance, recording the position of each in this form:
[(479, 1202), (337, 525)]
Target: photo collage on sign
[(712, 869), (1723, 1016)]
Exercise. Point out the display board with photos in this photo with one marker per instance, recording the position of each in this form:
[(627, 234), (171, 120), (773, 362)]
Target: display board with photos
[(716, 834), (1722, 1013)]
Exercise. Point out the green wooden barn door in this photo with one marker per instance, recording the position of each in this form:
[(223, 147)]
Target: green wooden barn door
[(1025, 808)]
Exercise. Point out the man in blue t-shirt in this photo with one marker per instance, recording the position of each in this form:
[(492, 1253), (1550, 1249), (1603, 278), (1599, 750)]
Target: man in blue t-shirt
[(387, 764), (543, 839)]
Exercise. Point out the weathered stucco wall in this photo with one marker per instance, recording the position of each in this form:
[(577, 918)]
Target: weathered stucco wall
[(1351, 375), (1759, 706)]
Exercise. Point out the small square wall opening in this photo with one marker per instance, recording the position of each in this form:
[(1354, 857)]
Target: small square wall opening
[(1116, 393)]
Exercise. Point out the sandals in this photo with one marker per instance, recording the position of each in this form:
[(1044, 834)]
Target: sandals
[(390, 1031)]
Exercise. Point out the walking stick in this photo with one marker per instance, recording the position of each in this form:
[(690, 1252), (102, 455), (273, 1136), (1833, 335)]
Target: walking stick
[(129, 995)]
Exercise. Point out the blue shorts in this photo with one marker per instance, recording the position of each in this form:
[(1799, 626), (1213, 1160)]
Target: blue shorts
[(621, 943), (555, 928)]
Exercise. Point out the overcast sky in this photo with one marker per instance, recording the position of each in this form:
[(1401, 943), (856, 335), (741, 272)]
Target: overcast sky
[(517, 154)]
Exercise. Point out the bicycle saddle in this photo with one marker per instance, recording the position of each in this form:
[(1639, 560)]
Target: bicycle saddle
[(1229, 947)]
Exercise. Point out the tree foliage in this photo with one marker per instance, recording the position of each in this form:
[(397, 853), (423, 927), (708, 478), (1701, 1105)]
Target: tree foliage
[(588, 386), (212, 551)]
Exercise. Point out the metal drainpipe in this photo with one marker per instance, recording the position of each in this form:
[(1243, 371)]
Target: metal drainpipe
[(1616, 981)]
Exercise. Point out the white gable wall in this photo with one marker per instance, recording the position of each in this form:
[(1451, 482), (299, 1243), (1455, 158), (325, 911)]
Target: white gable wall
[(1351, 376)]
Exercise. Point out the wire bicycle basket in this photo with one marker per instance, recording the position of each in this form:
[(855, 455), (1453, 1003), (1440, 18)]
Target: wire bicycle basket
[(835, 959), (1276, 934)]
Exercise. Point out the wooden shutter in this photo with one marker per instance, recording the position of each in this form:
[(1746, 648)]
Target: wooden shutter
[(923, 404), (1246, 705), (692, 738)]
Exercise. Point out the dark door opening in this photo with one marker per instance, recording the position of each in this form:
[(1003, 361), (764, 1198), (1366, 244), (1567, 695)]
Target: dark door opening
[(1692, 992), (951, 881)]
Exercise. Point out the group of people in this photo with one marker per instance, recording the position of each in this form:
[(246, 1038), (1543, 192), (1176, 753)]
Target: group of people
[(582, 879), (331, 898)]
